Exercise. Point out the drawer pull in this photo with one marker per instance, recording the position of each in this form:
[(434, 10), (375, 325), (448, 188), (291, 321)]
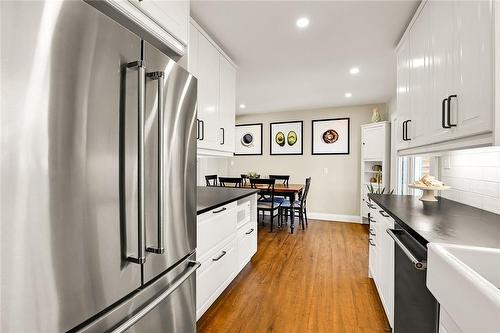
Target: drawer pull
[(371, 243), (219, 256), (249, 232), (373, 234), (371, 219), (384, 214), (220, 210)]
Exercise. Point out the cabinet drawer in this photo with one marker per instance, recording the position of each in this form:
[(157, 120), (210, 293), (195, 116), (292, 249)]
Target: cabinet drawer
[(247, 243), (214, 275), (215, 226)]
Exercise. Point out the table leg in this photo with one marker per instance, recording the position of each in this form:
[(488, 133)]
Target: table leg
[(291, 198)]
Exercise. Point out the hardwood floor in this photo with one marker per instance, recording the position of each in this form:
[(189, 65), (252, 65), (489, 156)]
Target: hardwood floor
[(312, 281)]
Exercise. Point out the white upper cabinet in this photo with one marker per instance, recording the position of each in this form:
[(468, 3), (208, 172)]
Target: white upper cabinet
[(450, 79), (373, 142), (227, 101), (471, 110), (172, 15), (403, 94), (216, 94), (208, 93)]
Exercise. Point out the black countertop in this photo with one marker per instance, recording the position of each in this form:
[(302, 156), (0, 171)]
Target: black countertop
[(444, 221), (213, 197)]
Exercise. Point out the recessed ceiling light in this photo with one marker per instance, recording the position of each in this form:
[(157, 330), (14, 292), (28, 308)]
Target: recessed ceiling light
[(348, 95), (302, 22), (242, 106), (354, 70)]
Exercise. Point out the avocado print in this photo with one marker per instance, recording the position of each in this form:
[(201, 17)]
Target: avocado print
[(292, 138), (280, 139)]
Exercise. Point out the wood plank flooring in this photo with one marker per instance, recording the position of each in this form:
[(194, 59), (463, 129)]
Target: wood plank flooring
[(312, 281)]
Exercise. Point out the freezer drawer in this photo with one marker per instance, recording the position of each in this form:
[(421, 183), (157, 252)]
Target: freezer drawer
[(166, 305)]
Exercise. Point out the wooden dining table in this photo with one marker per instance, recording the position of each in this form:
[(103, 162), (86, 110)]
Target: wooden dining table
[(288, 191)]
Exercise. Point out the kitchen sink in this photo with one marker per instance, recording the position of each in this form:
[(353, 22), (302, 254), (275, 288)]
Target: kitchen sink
[(465, 280)]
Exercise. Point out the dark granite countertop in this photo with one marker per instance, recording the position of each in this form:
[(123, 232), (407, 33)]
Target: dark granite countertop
[(213, 197), (444, 221)]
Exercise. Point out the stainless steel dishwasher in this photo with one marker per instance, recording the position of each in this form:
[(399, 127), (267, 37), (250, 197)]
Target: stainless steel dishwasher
[(415, 308)]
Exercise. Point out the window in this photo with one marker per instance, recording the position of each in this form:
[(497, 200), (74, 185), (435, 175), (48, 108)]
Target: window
[(412, 168)]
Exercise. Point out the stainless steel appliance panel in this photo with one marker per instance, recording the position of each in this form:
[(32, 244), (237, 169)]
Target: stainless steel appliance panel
[(64, 92), (167, 304), (170, 147)]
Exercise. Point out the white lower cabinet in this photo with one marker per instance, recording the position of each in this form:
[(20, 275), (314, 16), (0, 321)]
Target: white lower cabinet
[(227, 240), (381, 258)]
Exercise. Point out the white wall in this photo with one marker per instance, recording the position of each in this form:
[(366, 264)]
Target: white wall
[(335, 185), (474, 176), (211, 166)]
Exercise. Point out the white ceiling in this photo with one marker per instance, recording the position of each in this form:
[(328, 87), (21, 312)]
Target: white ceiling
[(281, 67)]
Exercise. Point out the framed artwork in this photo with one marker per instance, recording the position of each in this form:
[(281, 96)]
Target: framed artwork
[(286, 138), (248, 139), (331, 136)]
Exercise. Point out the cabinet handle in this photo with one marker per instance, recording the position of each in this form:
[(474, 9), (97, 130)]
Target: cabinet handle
[(371, 220), (197, 129), (443, 113), (202, 130), (384, 214), (449, 110), (249, 232), (371, 233), (371, 243), (223, 135), (219, 256), (405, 130), (220, 210)]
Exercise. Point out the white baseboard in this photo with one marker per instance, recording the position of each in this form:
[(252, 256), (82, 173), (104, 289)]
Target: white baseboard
[(334, 217)]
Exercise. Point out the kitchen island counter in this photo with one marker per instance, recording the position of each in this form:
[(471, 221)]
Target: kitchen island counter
[(213, 197)]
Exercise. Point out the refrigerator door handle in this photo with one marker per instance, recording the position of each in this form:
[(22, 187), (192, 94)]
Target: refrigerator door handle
[(194, 265), (160, 78), (141, 75)]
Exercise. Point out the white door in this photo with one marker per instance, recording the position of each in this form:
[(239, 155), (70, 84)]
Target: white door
[(442, 69), (403, 92), (373, 143), (227, 102), (472, 109), (420, 78), (208, 94)]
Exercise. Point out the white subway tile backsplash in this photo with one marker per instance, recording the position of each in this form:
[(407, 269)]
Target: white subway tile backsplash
[(474, 176)]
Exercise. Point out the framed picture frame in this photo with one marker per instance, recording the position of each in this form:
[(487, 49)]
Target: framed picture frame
[(331, 136), (248, 139), (286, 138)]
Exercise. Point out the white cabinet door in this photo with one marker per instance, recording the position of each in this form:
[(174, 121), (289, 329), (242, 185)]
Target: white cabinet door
[(420, 78), (208, 94), (193, 52), (172, 15), (472, 109), (373, 143), (403, 92), (227, 102), (441, 13), (387, 258)]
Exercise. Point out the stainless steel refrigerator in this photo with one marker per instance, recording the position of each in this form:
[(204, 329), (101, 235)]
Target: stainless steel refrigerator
[(98, 172)]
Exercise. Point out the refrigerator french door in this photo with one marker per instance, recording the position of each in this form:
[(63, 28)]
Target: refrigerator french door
[(98, 225)]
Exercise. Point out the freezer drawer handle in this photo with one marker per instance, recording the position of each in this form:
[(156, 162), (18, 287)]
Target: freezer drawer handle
[(419, 264), (160, 78), (219, 256), (249, 232), (150, 306), (141, 235)]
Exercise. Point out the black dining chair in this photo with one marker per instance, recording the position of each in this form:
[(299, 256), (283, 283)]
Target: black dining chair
[(267, 202), (298, 207), (245, 179), (283, 178), (211, 180), (230, 181)]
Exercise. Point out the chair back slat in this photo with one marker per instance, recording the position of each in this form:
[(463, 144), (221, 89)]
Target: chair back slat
[(211, 180), (303, 199), (283, 178), (230, 181), (263, 181)]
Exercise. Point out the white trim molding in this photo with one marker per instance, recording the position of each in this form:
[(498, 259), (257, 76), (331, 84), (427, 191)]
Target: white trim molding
[(334, 217)]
